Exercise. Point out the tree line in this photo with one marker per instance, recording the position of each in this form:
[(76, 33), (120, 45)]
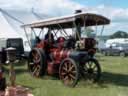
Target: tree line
[(119, 34)]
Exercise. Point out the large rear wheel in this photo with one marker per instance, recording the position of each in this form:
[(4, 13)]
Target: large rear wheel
[(69, 72), (37, 62)]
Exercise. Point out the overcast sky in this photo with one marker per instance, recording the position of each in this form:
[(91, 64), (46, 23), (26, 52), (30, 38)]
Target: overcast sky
[(116, 10)]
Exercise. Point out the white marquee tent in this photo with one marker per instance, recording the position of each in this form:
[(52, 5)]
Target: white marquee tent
[(10, 24), (6, 31)]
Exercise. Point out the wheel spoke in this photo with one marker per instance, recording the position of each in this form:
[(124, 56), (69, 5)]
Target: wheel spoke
[(69, 65), (36, 71), (90, 64), (63, 73), (36, 57), (33, 54), (87, 65), (94, 66), (36, 62), (71, 68), (95, 69), (65, 66), (74, 72), (68, 72), (90, 70), (66, 77), (73, 77)]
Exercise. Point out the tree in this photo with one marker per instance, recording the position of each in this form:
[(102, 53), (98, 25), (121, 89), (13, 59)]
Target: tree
[(119, 34)]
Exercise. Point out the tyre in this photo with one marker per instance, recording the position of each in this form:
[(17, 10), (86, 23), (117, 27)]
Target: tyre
[(69, 72), (37, 62), (92, 70)]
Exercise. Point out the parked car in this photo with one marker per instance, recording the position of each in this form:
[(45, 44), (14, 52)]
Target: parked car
[(116, 49)]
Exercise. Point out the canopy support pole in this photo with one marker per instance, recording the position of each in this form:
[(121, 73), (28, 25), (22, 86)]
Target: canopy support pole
[(102, 30), (27, 38), (40, 32), (55, 33), (33, 31), (63, 30), (76, 31)]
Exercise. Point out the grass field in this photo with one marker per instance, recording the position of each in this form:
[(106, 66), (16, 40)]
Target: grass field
[(114, 81)]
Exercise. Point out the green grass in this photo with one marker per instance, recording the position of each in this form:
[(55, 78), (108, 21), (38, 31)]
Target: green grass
[(114, 80)]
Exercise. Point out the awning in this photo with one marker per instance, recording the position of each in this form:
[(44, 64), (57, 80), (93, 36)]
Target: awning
[(87, 19)]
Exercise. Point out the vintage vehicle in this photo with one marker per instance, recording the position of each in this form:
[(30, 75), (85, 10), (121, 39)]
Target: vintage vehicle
[(11, 42), (63, 51), (18, 44)]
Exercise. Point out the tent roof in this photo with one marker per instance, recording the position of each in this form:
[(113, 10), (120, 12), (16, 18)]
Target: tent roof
[(17, 18), (6, 31)]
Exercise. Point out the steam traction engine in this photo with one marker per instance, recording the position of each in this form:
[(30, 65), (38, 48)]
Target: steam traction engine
[(69, 56)]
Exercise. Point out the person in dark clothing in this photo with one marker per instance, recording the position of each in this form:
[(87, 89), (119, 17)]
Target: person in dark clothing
[(49, 37), (37, 40), (4, 56)]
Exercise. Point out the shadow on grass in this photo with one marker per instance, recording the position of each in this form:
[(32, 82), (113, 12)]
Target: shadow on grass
[(107, 79), (115, 79)]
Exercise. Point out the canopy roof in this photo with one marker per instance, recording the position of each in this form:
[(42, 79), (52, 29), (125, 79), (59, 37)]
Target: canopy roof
[(87, 19)]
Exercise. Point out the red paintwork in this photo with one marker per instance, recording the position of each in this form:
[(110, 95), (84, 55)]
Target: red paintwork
[(59, 53), (1, 74), (40, 45)]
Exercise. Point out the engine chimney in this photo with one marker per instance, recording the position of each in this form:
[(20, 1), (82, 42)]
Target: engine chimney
[(78, 11), (78, 27)]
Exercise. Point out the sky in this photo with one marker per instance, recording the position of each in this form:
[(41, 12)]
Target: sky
[(113, 3), (115, 10)]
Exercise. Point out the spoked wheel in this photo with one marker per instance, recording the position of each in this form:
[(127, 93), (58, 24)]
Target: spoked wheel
[(92, 70), (36, 62), (69, 72)]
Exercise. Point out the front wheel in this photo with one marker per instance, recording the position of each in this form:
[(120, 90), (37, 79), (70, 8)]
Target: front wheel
[(69, 72), (92, 70)]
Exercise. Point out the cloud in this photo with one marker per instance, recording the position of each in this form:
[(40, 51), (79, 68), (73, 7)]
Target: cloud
[(63, 7), (115, 14), (57, 7), (17, 4), (118, 16), (60, 7)]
